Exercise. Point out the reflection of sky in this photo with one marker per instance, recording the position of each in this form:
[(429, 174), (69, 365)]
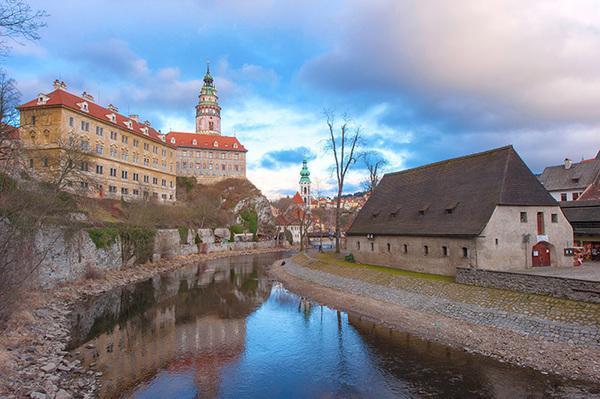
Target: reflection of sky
[(290, 354), (169, 385)]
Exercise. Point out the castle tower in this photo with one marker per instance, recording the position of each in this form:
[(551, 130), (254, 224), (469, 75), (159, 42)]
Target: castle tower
[(305, 184), (208, 111)]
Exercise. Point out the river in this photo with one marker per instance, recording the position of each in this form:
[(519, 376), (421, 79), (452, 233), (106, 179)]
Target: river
[(221, 329)]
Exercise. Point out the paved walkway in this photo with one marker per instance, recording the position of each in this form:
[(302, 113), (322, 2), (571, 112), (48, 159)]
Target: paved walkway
[(590, 271), (554, 319)]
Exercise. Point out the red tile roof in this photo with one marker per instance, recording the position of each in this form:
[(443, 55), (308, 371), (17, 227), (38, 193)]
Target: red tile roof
[(298, 199), (206, 141), (8, 132), (60, 97)]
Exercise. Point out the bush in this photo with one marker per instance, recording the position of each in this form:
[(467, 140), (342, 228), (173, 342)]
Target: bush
[(137, 242), (103, 237), (183, 234), (350, 258), (250, 220)]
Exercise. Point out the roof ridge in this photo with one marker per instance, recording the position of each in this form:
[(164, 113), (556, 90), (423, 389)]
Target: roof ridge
[(451, 160), (504, 174)]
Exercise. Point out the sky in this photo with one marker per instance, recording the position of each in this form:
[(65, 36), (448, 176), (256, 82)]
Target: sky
[(423, 80)]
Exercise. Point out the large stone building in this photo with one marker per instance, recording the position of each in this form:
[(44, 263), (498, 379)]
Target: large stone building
[(569, 181), (117, 156), (205, 154), (484, 210)]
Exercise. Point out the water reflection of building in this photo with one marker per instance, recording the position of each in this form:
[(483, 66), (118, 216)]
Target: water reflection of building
[(433, 369), (193, 317)]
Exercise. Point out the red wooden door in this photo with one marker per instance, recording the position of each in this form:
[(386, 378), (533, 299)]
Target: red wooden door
[(540, 254)]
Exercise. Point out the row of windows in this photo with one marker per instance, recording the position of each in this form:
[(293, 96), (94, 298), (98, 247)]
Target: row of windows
[(210, 155), (85, 126), (444, 251), (135, 192), (541, 228), (210, 166), (574, 196)]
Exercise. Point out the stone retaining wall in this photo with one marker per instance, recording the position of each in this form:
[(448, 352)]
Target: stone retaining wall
[(69, 254), (579, 290)]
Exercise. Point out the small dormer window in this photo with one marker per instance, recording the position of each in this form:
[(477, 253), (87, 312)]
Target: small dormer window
[(84, 106), (172, 140), (235, 145), (129, 124), (144, 130), (42, 99), (112, 117), (194, 142)]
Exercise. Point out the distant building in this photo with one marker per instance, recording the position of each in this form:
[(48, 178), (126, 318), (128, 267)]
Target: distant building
[(206, 154), (584, 216), (569, 181), (484, 210), (305, 185)]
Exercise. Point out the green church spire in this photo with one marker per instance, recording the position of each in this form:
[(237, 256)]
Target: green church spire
[(304, 173)]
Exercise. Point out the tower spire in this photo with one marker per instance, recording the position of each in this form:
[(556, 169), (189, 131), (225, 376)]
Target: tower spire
[(208, 111)]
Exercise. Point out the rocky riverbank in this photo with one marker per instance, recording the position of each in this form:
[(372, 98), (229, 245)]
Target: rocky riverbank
[(33, 359), (551, 344)]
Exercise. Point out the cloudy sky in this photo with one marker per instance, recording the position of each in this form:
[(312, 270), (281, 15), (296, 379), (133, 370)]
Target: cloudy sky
[(424, 80)]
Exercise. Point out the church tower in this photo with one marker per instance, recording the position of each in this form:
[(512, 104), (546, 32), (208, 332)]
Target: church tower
[(208, 111), (305, 184)]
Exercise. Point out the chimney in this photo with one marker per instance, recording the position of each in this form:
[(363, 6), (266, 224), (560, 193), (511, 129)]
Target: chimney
[(147, 123), (63, 85), (113, 108), (87, 96), (568, 163), (135, 117), (56, 84)]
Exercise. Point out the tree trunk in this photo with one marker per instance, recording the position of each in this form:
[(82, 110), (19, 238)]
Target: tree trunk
[(337, 218)]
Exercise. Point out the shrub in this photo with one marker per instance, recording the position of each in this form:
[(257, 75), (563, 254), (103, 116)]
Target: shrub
[(350, 258), (249, 220), (137, 242), (91, 273), (197, 239), (103, 237), (183, 234)]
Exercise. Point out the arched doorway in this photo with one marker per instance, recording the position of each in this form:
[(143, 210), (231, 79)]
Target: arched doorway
[(540, 254)]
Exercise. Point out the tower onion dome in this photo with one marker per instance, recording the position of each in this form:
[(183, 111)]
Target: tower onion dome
[(304, 173), (208, 88)]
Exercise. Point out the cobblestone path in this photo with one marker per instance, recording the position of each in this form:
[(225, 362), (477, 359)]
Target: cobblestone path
[(556, 320)]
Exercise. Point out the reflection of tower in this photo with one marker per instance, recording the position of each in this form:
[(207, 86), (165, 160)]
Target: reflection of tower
[(305, 184), (208, 111)]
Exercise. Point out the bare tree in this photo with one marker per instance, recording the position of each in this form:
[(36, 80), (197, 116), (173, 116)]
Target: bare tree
[(305, 221), (71, 168), (19, 21), (9, 119), (375, 164), (343, 146)]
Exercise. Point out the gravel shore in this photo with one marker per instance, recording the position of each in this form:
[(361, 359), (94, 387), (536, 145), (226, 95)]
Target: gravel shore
[(551, 346), (33, 359)]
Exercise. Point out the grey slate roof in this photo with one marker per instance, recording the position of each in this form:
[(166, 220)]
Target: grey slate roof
[(578, 176), (584, 216), (455, 197)]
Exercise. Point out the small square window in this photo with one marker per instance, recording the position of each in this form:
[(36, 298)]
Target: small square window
[(405, 248), (563, 196), (372, 247), (523, 217), (465, 252), (445, 251), (554, 218), (426, 249), (389, 247)]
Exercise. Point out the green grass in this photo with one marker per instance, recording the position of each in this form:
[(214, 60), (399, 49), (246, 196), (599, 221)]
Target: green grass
[(330, 259)]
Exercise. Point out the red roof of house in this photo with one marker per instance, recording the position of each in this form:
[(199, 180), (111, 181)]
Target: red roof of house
[(11, 132), (298, 199), (205, 141), (61, 97)]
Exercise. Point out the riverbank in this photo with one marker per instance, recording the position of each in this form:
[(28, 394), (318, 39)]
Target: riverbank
[(33, 360), (547, 334)]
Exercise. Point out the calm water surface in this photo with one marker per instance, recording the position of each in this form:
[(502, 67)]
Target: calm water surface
[(222, 330)]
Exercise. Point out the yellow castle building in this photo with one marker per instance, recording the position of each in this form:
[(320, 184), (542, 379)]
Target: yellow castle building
[(82, 146)]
